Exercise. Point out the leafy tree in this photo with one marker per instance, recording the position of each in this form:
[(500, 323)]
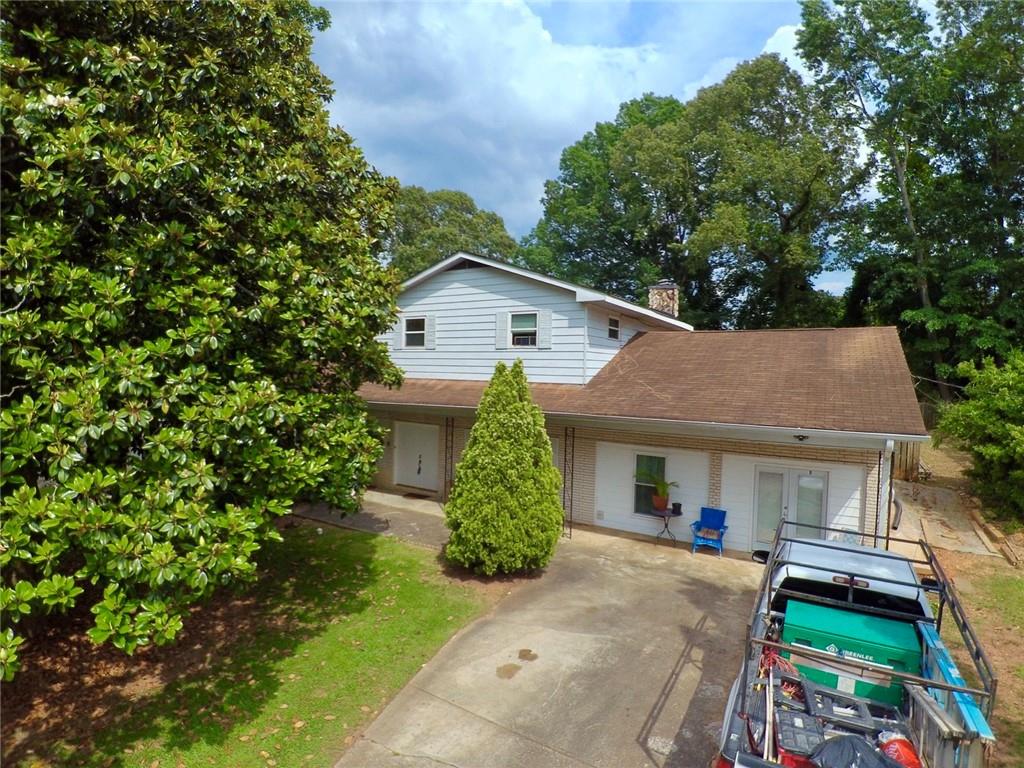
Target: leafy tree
[(191, 295), (589, 233), (990, 424), (939, 250), (504, 512), (430, 226), (733, 195)]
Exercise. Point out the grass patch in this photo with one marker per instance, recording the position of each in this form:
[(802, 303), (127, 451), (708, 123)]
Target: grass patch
[(338, 623), (993, 596), (1004, 592)]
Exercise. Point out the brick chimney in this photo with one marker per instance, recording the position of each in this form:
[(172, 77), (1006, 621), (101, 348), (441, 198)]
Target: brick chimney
[(663, 297)]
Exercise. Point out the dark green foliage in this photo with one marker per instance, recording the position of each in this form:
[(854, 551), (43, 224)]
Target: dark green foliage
[(989, 423), (591, 232), (504, 513), (191, 295), (733, 195), (939, 250), (431, 226)]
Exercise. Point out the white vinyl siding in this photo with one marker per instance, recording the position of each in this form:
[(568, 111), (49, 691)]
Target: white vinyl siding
[(601, 348), (470, 310)]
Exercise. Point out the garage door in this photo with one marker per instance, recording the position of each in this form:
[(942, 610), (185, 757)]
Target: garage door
[(416, 455)]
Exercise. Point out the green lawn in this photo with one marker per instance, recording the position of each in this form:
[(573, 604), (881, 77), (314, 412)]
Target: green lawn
[(993, 595), (344, 620), (1000, 593)]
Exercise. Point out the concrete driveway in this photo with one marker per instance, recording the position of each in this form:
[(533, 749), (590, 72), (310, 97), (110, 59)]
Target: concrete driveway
[(620, 654)]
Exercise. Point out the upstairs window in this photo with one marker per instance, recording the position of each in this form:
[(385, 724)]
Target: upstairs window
[(416, 332), (613, 328), (524, 329)]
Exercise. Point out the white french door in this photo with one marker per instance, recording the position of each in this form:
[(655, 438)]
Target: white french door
[(799, 495)]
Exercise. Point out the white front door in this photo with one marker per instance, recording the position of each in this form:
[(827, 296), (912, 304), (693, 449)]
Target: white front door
[(415, 448), (798, 494)]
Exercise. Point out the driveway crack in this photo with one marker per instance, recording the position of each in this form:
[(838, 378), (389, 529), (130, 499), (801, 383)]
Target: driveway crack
[(505, 728), (413, 755)]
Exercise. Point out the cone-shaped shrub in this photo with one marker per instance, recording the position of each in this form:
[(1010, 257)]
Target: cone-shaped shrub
[(504, 512)]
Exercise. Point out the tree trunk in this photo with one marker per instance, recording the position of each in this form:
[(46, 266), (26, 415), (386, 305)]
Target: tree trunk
[(922, 279)]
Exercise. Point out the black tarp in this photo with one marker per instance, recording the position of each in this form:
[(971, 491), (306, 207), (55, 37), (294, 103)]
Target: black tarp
[(851, 752)]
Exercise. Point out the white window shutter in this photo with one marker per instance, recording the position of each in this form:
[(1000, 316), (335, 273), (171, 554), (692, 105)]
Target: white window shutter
[(544, 329), (431, 331), (501, 333), (398, 340)]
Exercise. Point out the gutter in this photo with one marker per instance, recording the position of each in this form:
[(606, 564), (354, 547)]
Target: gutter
[(823, 433)]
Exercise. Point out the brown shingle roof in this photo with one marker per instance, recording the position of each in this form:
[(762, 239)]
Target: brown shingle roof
[(452, 393), (844, 379)]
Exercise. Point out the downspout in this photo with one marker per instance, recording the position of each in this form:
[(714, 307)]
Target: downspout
[(879, 520), (892, 494)]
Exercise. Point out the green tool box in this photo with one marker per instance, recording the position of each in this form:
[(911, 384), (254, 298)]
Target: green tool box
[(856, 636)]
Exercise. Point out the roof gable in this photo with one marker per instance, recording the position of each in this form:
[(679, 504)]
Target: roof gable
[(580, 293)]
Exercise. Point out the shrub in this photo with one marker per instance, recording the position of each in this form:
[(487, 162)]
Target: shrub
[(504, 513), (990, 424)]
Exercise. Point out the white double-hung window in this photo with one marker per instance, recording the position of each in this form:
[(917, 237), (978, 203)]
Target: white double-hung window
[(415, 332), (523, 327)]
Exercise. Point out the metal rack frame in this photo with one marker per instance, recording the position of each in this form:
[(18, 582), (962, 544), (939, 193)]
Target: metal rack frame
[(942, 586)]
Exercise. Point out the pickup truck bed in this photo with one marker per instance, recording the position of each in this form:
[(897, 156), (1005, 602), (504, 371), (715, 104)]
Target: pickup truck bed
[(861, 659)]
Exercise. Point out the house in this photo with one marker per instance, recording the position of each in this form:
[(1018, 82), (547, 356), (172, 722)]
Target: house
[(760, 423)]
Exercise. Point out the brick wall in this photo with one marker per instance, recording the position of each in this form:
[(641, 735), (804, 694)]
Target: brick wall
[(715, 479)]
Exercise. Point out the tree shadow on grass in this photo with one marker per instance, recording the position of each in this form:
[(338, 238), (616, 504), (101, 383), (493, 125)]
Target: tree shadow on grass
[(80, 705)]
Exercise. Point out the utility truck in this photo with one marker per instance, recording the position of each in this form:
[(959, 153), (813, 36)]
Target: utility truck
[(845, 666)]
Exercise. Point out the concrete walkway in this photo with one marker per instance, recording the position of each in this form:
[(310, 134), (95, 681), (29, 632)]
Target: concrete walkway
[(621, 653), (420, 521), (936, 515)]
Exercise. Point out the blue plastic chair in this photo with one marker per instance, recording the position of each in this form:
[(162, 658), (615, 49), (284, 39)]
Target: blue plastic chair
[(710, 530)]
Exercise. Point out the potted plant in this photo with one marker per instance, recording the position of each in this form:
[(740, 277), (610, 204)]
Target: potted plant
[(659, 500)]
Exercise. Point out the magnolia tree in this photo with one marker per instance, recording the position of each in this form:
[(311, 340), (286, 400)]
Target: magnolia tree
[(191, 295), (504, 513)]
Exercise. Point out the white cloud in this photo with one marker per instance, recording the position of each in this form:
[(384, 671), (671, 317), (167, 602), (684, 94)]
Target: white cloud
[(783, 42), (834, 282), (482, 97)]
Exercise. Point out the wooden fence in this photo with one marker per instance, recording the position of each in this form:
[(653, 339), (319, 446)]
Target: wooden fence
[(906, 461)]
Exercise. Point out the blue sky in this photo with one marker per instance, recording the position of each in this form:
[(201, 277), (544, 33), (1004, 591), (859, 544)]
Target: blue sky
[(483, 96)]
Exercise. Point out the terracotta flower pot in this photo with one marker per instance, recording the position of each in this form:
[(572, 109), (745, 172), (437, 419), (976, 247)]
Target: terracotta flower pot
[(660, 503)]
